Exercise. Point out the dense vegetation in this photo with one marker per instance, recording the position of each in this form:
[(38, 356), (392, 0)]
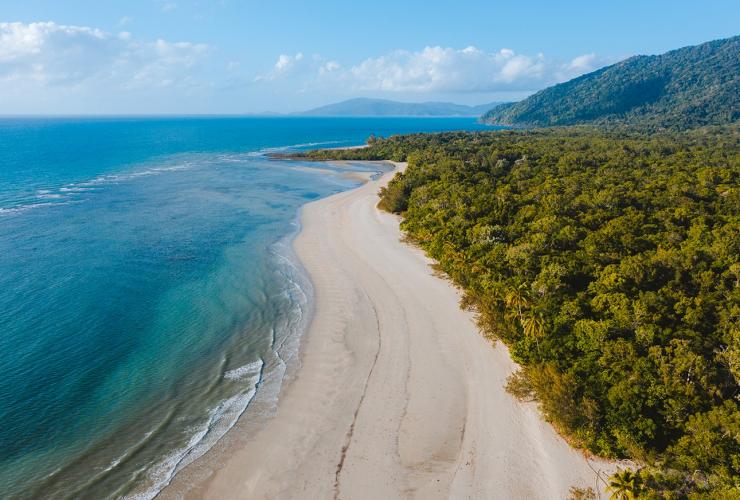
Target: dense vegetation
[(608, 262), (688, 87)]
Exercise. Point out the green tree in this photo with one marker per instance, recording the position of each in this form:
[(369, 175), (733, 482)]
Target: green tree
[(608, 262), (623, 485), (533, 325)]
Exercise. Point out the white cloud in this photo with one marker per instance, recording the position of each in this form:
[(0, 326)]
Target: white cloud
[(436, 69), (284, 65), (50, 54), (50, 67), (285, 62), (329, 67), (584, 62)]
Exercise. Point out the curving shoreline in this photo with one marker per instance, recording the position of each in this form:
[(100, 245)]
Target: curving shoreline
[(397, 394)]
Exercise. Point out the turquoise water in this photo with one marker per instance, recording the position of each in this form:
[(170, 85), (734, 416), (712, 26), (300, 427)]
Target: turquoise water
[(147, 287)]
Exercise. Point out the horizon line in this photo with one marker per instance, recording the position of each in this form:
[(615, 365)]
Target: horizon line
[(298, 114)]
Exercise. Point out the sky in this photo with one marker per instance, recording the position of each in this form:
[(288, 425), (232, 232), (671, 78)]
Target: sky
[(244, 56)]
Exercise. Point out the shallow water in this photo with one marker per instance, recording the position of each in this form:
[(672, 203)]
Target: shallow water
[(146, 287)]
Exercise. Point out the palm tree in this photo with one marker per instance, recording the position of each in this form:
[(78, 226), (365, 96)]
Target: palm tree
[(517, 300), (534, 327), (623, 485)]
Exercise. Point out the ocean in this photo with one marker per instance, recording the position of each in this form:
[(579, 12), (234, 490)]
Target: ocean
[(148, 290)]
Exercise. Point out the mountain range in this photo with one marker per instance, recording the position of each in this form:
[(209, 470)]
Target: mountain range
[(684, 88), (382, 107)]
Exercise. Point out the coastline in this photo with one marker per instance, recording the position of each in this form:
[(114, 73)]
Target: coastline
[(386, 349)]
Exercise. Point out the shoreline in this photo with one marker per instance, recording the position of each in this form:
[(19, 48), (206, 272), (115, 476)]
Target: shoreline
[(386, 348), (272, 383)]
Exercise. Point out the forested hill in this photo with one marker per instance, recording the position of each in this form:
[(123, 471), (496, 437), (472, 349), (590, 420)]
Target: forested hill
[(684, 88), (609, 262)]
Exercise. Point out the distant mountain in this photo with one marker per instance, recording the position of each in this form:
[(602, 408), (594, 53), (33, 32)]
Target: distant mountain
[(684, 88), (383, 107)]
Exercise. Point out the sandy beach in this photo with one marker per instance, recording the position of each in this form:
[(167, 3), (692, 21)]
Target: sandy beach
[(397, 394)]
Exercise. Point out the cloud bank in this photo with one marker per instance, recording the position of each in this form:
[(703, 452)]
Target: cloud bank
[(436, 69), (46, 67), (50, 54)]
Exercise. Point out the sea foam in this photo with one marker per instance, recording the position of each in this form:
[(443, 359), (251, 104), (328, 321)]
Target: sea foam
[(220, 419)]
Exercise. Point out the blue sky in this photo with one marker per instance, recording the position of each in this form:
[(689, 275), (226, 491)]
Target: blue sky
[(230, 56)]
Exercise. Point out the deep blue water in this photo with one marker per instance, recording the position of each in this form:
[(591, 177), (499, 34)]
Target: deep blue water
[(147, 287)]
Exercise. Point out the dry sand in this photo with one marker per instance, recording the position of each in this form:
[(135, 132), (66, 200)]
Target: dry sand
[(397, 394)]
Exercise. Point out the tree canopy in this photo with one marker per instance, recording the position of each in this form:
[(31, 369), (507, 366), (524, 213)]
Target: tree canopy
[(608, 262), (688, 87)]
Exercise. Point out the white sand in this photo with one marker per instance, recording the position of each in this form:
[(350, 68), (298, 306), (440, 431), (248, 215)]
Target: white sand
[(397, 395)]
